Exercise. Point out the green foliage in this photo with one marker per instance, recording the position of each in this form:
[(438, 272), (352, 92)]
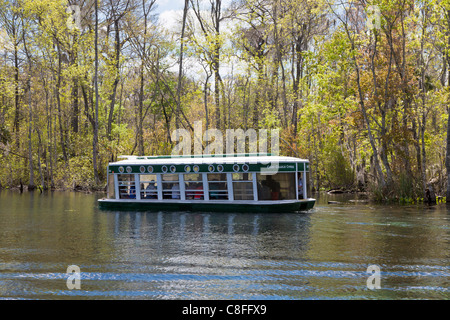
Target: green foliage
[(338, 171), (5, 135), (77, 174), (405, 188)]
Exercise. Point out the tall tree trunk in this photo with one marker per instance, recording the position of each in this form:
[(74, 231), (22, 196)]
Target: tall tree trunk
[(216, 11), (258, 94), (279, 61), (116, 78), (297, 75), (216, 67), (48, 158), (95, 138), (216, 8), (378, 170), (31, 185), (447, 156), (205, 98), (139, 116), (16, 95), (180, 65), (75, 108), (58, 101)]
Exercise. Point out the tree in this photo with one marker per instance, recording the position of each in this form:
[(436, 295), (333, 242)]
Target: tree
[(210, 28), (97, 97), (10, 21)]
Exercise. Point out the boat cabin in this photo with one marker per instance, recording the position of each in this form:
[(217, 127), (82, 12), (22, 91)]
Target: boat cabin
[(189, 181)]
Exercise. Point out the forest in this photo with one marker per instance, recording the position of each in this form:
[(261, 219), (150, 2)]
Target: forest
[(358, 87)]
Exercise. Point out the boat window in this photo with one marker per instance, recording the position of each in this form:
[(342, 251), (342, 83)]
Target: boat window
[(217, 183), (193, 186), (127, 188), (242, 186), (279, 186), (170, 186), (111, 190), (149, 187)]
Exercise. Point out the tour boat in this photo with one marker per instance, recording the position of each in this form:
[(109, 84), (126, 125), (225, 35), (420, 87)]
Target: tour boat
[(213, 183)]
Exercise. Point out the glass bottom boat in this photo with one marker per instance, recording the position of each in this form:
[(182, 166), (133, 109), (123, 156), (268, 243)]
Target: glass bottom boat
[(212, 183)]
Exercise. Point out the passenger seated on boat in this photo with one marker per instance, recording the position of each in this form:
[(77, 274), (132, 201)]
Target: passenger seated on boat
[(223, 195), (214, 194), (274, 188), (150, 191), (189, 195), (175, 191), (199, 192), (166, 192), (190, 190), (132, 192)]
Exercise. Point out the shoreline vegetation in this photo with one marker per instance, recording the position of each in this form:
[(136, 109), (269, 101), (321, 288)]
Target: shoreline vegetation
[(362, 93), (362, 197), (366, 197)]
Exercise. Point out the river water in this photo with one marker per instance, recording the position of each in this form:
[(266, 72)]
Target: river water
[(321, 254)]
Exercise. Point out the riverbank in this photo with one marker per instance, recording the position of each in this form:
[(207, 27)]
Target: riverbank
[(368, 197), (336, 196), (38, 188)]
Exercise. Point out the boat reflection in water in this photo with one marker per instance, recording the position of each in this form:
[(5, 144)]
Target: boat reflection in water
[(213, 234)]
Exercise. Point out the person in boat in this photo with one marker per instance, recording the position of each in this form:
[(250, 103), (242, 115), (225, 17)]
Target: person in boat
[(199, 192), (223, 187), (175, 191), (214, 194), (274, 188), (132, 192), (150, 191), (166, 190), (300, 187), (190, 190), (189, 193)]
